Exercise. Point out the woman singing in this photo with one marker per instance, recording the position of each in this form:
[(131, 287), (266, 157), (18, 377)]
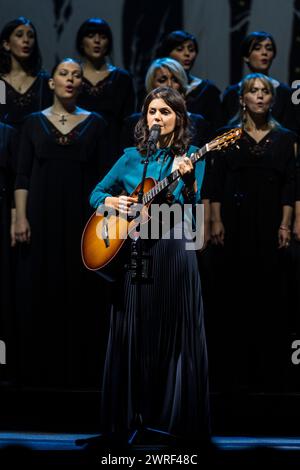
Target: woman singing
[(171, 391), (258, 51), (167, 72), (202, 96), (106, 89), (26, 84), (60, 159), (252, 197)]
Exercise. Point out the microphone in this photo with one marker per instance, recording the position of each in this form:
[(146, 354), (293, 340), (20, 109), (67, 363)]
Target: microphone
[(153, 135)]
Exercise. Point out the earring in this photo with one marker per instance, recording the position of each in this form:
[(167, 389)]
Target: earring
[(244, 116)]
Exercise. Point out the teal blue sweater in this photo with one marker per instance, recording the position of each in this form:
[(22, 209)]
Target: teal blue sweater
[(127, 173)]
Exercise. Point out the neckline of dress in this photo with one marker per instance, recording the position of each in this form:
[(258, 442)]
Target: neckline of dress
[(73, 128), (199, 87), (261, 140), (18, 92), (84, 78)]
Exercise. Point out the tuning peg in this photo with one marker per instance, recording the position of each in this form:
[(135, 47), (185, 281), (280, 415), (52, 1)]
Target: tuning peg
[(237, 146)]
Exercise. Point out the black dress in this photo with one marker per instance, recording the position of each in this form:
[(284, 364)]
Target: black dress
[(169, 378), (7, 172), (19, 105), (58, 300), (204, 99), (252, 182), (113, 98), (292, 305), (282, 109), (199, 127)]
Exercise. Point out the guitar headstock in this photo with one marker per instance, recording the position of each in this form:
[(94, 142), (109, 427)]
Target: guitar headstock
[(226, 139)]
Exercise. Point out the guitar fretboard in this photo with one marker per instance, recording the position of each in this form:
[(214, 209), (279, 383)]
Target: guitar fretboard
[(163, 184)]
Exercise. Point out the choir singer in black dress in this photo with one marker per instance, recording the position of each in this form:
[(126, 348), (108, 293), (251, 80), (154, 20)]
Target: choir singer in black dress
[(8, 148), (252, 198), (26, 83), (61, 157), (258, 50), (202, 95), (106, 89)]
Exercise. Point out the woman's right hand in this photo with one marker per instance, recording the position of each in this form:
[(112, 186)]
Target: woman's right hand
[(217, 233), (22, 230), (121, 204)]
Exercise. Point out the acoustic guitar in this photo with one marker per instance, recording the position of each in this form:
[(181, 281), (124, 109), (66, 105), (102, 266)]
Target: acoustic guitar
[(105, 232)]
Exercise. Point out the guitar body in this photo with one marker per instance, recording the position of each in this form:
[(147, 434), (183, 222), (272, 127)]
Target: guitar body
[(103, 237)]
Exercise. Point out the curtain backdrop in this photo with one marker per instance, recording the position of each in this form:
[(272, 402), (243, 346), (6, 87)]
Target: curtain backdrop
[(138, 25)]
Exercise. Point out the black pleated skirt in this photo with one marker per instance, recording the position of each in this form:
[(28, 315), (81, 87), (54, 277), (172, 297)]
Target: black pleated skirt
[(156, 360)]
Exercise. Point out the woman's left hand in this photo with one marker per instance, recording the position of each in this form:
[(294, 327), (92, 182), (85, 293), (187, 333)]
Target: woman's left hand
[(284, 237), (187, 171)]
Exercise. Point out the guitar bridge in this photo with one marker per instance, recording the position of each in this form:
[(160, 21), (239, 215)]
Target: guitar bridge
[(105, 235)]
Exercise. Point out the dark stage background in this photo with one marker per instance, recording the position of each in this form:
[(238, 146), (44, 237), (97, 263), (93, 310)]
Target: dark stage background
[(137, 27)]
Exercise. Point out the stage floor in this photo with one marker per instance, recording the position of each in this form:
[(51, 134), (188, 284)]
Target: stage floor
[(52, 449), (41, 426)]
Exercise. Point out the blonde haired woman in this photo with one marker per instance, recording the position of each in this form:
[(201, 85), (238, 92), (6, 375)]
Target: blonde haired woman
[(161, 73), (252, 190)]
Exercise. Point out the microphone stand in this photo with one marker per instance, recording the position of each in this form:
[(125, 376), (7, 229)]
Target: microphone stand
[(140, 268), (140, 274)]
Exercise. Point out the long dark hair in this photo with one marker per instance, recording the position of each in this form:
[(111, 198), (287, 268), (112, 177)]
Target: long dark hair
[(93, 26), (173, 40), (182, 134), (34, 63)]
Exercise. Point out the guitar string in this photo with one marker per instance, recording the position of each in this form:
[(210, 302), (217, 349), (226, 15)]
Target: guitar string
[(194, 158)]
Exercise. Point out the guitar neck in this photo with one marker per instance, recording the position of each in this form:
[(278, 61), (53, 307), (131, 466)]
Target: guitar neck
[(163, 184)]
